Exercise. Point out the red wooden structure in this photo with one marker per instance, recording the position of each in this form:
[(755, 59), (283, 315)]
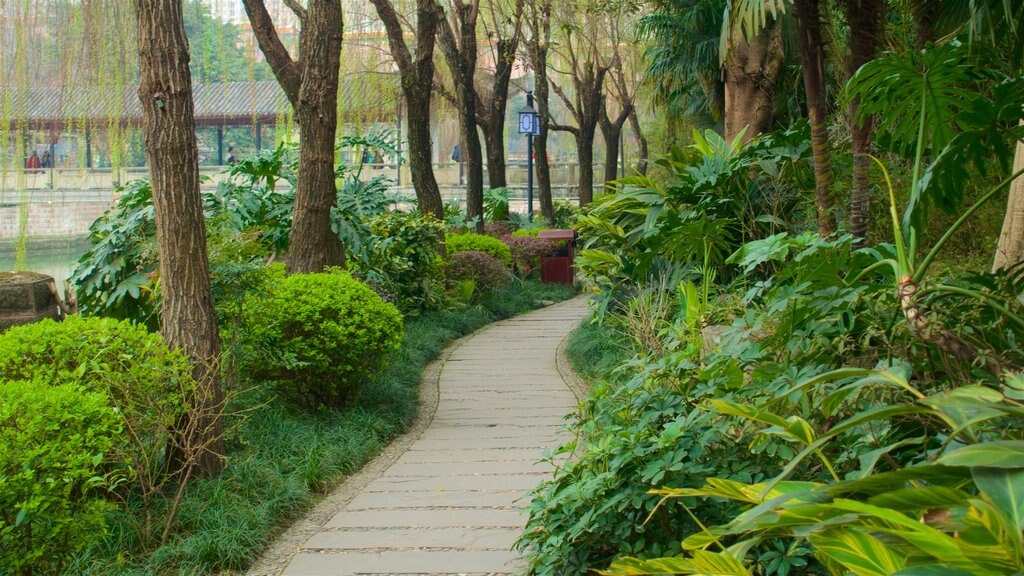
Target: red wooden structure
[(558, 269)]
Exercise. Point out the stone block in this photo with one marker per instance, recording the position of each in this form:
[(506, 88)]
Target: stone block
[(26, 297)]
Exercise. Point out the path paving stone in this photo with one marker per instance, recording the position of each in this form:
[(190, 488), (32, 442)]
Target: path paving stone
[(452, 503)]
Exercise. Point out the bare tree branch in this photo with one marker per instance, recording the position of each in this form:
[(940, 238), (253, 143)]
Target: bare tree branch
[(297, 8), (285, 69)]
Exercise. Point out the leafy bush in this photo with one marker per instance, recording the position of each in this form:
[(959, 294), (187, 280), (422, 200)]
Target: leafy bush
[(527, 252), (116, 276), (485, 271), (55, 439), (565, 213), (401, 260), (479, 243), (145, 382), (328, 334)]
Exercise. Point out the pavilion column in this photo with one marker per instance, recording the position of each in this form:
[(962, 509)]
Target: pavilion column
[(220, 145), (259, 136), (88, 149)]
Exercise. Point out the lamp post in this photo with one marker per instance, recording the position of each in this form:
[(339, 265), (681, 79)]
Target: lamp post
[(529, 124)]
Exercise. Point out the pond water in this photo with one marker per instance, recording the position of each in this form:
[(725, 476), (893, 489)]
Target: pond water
[(56, 258)]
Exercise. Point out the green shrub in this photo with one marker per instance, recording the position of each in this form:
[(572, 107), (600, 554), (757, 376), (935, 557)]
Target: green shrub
[(400, 260), (479, 243), (328, 334), (145, 382), (53, 441), (485, 271)]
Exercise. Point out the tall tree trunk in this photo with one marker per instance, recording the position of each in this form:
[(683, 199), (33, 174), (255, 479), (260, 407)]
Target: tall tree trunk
[(491, 112), (542, 93), (461, 55), (865, 18), (812, 57), (638, 133), (1010, 249), (312, 245), (494, 136), (585, 151), (428, 194), (611, 130), (417, 86), (751, 72), (311, 85), (188, 321)]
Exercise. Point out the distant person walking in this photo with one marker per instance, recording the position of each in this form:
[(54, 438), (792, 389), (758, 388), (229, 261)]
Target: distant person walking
[(231, 160), (33, 161), (46, 161)]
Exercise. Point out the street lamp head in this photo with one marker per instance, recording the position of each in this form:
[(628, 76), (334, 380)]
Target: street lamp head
[(529, 120)]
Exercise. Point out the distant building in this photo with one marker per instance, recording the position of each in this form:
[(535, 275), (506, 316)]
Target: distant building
[(233, 12)]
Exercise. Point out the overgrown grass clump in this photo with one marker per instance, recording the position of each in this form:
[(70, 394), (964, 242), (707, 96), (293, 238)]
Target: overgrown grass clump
[(281, 461)]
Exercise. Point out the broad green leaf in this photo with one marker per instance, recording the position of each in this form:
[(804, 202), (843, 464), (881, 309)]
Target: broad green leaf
[(1005, 488), (995, 454), (709, 563), (920, 498), (861, 553), (932, 570)]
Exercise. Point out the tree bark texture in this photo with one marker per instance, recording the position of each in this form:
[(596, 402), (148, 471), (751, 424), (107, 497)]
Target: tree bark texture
[(537, 53), (1010, 249), (492, 106), (812, 57), (417, 75), (585, 107), (638, 133), (188, 321), (865, 18), (585, 149), (611, 130), (457, 35), (311, 84), (751, 72), (312, 245)]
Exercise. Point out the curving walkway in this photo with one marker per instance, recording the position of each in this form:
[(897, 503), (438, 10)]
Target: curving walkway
[(451, 503)]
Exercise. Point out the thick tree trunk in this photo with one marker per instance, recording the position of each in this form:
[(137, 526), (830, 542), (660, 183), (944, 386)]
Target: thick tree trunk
[(751, 72), (311, 85), (540, 143), (612, 136), (638, 133), (461, 56), (543, 168), (421, 168), (1010, 249), (812, 57), (865, 18), (417, 86), (585, 151), (188, 321), (492, 121), (611, 130), (312, 245), (494, 135)]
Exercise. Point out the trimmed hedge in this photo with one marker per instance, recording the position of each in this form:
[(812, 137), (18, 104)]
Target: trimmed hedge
[(322, 336), (479, 243), (54, 439)]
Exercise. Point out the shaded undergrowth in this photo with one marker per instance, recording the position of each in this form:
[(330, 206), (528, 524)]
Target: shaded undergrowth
[(281, 461)]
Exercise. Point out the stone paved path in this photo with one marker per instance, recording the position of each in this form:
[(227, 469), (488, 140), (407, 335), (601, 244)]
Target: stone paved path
[(451, 503)]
